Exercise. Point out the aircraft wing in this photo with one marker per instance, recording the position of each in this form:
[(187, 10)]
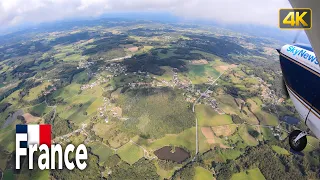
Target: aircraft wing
[(314, 33)]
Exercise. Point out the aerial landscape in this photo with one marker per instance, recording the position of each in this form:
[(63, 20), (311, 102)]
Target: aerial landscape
[(152, 100)]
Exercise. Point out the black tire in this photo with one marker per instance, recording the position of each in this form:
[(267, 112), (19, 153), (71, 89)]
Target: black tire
[(300, 144)]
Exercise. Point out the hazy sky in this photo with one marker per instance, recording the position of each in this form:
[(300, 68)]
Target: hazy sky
[(15, 12)]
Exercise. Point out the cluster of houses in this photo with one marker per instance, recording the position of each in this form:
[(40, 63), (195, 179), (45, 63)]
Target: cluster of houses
[(50, 90), (191, 93), (102, 110), (211, 101), (276, 132), (84, 64), (140, 85), (105, 108), (175, 78), (116, 69), (100, 80), (167, 38), (268, 94)]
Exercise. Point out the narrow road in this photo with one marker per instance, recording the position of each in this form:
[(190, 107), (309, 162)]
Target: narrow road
[(194, 104)]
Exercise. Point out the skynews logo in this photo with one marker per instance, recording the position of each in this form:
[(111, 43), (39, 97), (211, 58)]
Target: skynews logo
[(307, 55), (31, 138)]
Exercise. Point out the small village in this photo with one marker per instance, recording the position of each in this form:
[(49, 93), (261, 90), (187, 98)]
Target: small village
[(190, 93)]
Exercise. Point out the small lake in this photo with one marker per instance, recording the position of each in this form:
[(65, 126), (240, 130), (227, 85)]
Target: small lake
[(165, 153), (290, 120)]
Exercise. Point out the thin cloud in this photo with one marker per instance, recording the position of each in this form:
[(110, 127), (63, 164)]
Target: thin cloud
[(14, 12)]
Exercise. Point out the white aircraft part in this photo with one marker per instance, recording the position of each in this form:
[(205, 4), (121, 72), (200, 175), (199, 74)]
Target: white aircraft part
[(313, 120), (301, 55), (314, 33)]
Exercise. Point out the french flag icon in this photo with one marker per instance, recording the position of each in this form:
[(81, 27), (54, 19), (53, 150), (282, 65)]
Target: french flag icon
[(36, 134)]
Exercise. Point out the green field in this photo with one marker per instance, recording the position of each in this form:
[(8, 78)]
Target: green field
[(257, 101), (280, 150), (227, 104), (13, 98), (184, 139), (197, 70), (198, 73), (313, 143), (59, 55), (167, 75), (8, 175), (165, 174), (208, 117), (114, 53), (101, 150), (35, 92), (111, 134), (222, 155), (237, 140), (249, 117), (267, 119), (264, 117), (130, 153), (68, 53), (202, 174), (247, 138), (67, 92), (3, 160), (231, 153), (7, 138), (77, 140), (78, 107), (39, 110), (64, 48), (74, 57), (81, 77), (145, 49), (94, 106), (267, 134), (252, 174)]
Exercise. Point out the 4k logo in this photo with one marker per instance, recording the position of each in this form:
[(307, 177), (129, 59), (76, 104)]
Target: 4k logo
[(296, 18)]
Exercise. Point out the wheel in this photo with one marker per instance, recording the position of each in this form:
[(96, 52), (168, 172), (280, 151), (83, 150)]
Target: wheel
[(300, 144)]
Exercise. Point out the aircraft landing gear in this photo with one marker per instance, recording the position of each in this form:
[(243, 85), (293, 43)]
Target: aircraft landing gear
[(298, 140)]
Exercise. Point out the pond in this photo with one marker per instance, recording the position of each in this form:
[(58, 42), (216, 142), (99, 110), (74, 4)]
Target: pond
[(290, 120), (178, 156)]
